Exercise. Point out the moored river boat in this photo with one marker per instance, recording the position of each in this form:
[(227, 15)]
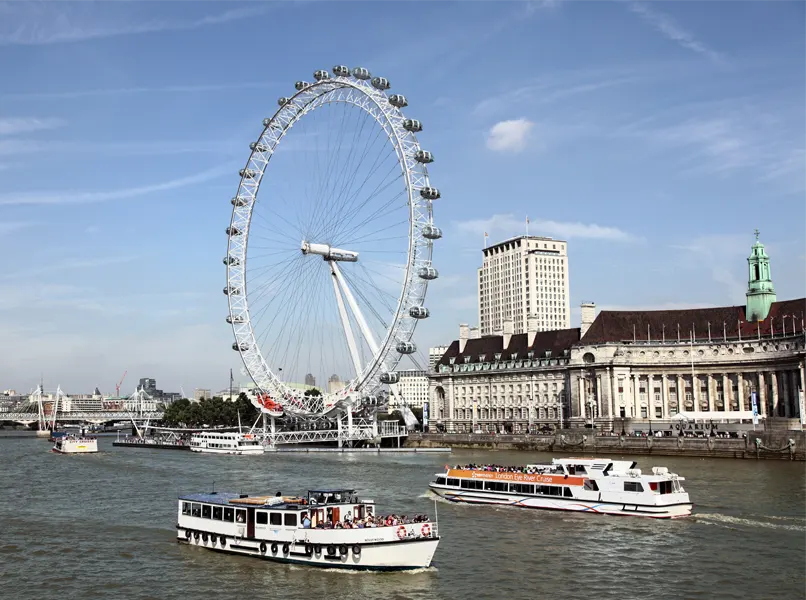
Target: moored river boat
[(591, 485), (325, 528)]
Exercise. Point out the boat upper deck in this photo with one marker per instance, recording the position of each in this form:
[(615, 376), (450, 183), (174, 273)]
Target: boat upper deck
[(278, 502)]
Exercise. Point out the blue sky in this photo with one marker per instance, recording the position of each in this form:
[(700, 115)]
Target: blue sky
[(654, 137)]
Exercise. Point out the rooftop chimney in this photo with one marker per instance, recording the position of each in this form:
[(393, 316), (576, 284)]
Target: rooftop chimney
[(475, 333), (588, 316), (464, 334), (531, 329), (509, 329)]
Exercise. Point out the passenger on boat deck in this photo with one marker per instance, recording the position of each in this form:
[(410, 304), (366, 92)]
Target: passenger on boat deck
[(508, 469), (306, 522)]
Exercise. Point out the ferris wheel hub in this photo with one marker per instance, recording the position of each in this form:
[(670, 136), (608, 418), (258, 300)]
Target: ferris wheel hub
[(328, 252)]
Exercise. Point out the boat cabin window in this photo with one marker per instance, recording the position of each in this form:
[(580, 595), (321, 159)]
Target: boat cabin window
[(472, 484), (206, 508), (186, 508), (217, 513), (567, 492), (661, 487), (262, 518), (275, 518), (291, 519), (633, 486), (496, 486), (577, 470), (440, 481), (549, 490), (591, 485), (229, 514), (240, 515), (196, 510), (522, 488), (453, 482)]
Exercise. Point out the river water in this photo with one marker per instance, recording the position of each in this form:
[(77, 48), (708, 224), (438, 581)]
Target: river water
[(103, 526)]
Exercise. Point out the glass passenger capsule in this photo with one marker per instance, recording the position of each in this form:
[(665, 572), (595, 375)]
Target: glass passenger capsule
[(423, 156), (283, 101), (235, 319), (301, 85), (233, 231), (231, 260), (406, 347), (398, 100), (419, 312), (232, 291), (321, 75), (380, 83), (361, 73), (430, 193), (240, 347), (258, 147), (412, 125), (430, 232), (341, 70), (248, 173), (238, 201), (428, 273), (390, 377)]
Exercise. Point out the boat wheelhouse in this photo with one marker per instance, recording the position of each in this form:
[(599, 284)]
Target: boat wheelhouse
[(593, 485), (225, 442), (325, 528), (75, 444)]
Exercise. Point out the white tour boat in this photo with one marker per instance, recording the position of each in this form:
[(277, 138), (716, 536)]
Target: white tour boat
[(225, 442), (326, 528), (75, 444), (593, 485)]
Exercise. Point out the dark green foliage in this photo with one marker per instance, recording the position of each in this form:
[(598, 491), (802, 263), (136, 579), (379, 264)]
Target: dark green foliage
[(212, 412)]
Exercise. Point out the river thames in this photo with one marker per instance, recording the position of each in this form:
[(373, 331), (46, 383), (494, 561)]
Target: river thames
[(103, 526)]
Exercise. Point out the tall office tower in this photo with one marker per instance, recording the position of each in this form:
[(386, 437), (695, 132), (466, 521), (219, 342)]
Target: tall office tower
[(522, 276)]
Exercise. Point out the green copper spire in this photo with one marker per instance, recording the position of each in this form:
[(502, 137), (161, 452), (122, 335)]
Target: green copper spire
[(760, 292)]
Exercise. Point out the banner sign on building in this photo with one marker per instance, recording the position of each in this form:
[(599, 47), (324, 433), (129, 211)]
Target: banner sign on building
[(802, 408), (754, 404), (425, 415)]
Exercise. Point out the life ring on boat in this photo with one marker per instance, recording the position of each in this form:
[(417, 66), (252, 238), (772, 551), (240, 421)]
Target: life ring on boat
[(357, 550), (401, 532), (308, 549), (222, 540), (263, 547), (331, 550), (212, 538), (274, 548), (187, 534), (286, 549), (196, 535), (426, 530), (317, 548), (343, 550), (204, 537)]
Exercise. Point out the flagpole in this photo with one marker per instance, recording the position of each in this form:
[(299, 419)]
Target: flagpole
[(527, 225)]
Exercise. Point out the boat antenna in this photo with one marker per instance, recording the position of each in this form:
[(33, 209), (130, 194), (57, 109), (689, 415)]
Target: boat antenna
[(239, 421)]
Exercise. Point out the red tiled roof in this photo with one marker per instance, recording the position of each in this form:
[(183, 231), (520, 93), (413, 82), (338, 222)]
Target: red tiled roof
[(555, 341), (728, 321)]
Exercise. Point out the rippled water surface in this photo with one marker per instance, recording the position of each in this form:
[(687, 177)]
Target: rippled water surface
[(103, 526)]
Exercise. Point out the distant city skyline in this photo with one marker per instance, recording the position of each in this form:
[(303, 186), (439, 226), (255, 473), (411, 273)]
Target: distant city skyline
[(654, 144)]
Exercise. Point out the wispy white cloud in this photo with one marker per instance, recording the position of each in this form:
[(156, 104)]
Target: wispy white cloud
[(34, 24), (667, 26), (509, 136), (51, 198), (506, 225), (170, 89), (7, 227), (72, 264), (18, 125)]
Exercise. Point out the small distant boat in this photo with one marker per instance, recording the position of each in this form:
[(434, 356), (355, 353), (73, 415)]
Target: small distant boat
[(75, 444), (225, 442)]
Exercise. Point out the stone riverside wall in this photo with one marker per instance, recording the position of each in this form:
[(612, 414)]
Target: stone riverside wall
[(770, 445)]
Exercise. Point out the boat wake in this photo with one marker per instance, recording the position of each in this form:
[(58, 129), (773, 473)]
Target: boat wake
[(731, 521)]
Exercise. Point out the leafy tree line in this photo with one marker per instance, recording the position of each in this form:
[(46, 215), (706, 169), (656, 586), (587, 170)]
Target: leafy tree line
[(212, 412)]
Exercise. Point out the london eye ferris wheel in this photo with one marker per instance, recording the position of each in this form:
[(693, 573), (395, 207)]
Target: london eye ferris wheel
[(330, 243)]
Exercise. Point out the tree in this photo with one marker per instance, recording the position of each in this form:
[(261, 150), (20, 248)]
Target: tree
[(313, 392)]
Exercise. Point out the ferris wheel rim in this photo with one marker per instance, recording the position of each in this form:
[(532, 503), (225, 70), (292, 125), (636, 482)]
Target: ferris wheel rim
[(413, 292)]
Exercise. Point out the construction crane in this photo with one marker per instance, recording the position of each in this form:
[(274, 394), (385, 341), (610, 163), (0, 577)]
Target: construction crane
[(117, 387)]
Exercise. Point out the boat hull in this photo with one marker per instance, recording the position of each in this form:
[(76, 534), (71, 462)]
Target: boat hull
[(387, 556), (75, 447), (252, 451), (670, 511)]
